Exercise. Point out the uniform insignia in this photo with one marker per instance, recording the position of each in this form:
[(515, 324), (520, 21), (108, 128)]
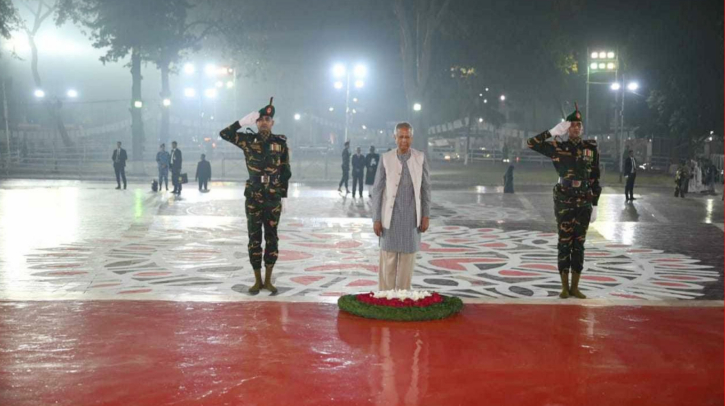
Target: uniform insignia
[(275, 147), (588, 153)]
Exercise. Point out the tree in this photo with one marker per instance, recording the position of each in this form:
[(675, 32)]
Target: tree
[(40, 11), (135, 27), (420, 23), (9, 19), (684, 72)]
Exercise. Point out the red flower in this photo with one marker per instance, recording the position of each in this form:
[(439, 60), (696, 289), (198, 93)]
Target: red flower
[(369, 298)]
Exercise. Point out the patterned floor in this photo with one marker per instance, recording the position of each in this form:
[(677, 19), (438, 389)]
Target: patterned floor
[(205, 257)]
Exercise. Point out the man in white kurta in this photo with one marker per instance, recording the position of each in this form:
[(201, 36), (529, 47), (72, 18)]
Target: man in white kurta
[(401, 209)]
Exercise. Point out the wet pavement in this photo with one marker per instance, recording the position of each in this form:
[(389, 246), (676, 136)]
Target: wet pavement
[(133, 297), (85, 240)]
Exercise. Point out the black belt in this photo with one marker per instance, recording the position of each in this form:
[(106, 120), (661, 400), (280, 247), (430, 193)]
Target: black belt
[(264, 179), (573, 183)]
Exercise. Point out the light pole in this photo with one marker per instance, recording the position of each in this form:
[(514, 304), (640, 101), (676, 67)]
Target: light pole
[(600, 61), (632, 88), (340, 71)]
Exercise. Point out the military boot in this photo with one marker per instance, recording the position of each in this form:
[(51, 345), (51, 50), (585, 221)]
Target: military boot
[(257, 281), (268, 279), (575, 286), (564, 285)]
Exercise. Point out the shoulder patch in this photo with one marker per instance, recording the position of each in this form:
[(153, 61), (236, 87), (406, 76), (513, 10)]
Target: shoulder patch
[(281, 137)]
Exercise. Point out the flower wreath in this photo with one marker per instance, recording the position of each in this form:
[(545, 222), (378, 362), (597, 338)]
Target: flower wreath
[(401, 305)]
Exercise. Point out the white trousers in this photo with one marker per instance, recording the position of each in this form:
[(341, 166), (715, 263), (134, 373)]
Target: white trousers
[(396, 270)]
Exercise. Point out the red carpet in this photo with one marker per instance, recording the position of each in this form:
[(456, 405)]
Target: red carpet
[(272, 353)]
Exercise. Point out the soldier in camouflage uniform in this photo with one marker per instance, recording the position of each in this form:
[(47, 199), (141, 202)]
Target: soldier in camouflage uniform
[(575, 196), (267, 157)]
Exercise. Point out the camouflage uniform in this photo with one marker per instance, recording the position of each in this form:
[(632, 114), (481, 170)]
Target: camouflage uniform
[(267, 155), (577, 163)]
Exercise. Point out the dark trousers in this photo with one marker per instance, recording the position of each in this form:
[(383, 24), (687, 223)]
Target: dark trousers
[(120, 174), (629, 187), (345, 177), (202, 183), (175, 180), (357, 179)]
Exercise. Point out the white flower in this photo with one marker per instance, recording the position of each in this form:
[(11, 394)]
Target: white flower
[(414, 295)]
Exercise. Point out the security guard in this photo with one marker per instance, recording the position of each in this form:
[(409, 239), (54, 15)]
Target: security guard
[(267, 157), (575, 196)]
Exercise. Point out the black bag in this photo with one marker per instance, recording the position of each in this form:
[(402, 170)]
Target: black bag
[(183, 178), (154, 186)]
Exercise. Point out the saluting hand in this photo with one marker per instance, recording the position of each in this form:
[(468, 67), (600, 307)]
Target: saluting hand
[(560, 129)]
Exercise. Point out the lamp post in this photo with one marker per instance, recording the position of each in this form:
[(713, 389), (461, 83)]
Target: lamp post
[(600, 61), (632, 88), (341, 71)]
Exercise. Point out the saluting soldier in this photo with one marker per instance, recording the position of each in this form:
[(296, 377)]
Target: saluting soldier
[(575, 196), (267, 157)]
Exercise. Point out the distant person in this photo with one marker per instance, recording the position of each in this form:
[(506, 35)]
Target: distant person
[(345, 168), (358, 171), (119, 158), (371, 163), (175, 165), (203, 173), (162, 160), (682, 178), (508, 180), (630, 172)]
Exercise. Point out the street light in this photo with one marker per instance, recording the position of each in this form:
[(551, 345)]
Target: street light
[(417, 107), (632, 86), (485, 101), (210, 69), (166, 102), (230, 84), (298, 116), (503, 97), (39, 94), (364, 127), (210, 93), (615, 86), (331, 109), (480, 119), (189, 92), (360, 71), (189, 69), (138, 104), (341, 71), (71, 93)]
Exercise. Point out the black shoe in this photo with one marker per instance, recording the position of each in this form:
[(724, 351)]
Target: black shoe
[(632, 199), (124, 187), (118, 187)]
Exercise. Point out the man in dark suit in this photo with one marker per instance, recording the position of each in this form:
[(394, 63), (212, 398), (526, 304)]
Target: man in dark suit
[(358, 171), (175, 166), (630, 171), (203, 173), (119, 158)]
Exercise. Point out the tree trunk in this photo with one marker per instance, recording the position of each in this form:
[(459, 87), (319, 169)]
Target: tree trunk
[(137, 133), (165, 110), (52, 108)]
